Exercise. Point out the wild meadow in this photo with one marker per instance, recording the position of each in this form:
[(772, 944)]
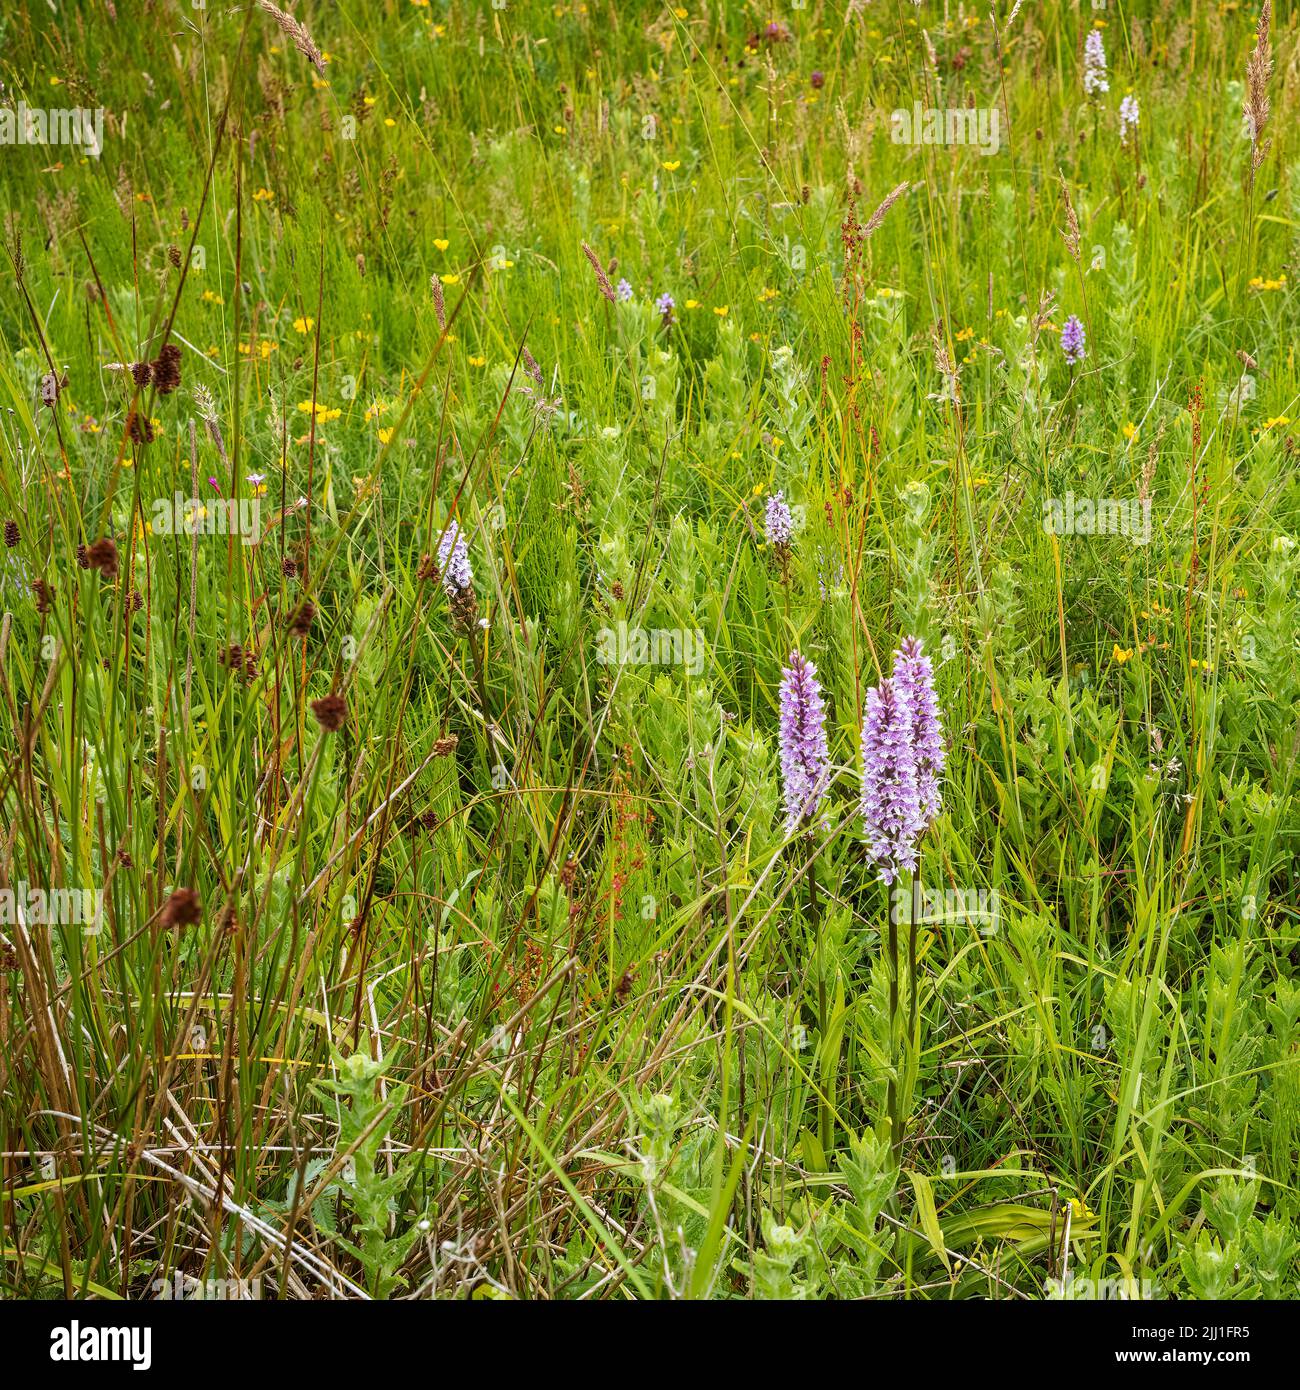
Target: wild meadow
[(649, 652)]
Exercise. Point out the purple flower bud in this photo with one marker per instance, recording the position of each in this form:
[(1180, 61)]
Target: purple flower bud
[(453, 561), (623, 290), (778, 523), (1072, 341), (805, 759), (666, 304)]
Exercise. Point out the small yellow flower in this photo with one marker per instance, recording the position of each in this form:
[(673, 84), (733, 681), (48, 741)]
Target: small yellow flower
[(385, 435), (965, 334), (1201, 665), (768, 293), (721, 310), (389, 121), (452, 279), (1130, 430), (304, 326), (441, 243), (559, 130), (672, 164), (477, 361), (209, 297), (263, 195), (1121, 654), (692, 303)]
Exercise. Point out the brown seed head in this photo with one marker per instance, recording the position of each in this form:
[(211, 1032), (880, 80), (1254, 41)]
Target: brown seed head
[(182, 909), (330, 712)]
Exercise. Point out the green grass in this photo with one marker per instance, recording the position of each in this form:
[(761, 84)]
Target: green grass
[(511, 986)]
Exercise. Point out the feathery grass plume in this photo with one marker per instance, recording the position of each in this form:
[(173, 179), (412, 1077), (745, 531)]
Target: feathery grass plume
[(207, 409), (805, 758), (943, 364), (439, 307), (531, 367), (1073, 341), (873, 222), (1071, 232), (296, 32), (1259, 68), (602, 280)]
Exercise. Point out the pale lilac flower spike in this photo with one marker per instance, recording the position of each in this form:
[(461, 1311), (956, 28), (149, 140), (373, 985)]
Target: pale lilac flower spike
[(805, 758), (453, 562), (1129, 117), (778, 523), (1094, 63), (914, 674)]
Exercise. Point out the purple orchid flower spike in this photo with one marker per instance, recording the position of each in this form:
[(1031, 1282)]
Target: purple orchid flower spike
[(805, 758)]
